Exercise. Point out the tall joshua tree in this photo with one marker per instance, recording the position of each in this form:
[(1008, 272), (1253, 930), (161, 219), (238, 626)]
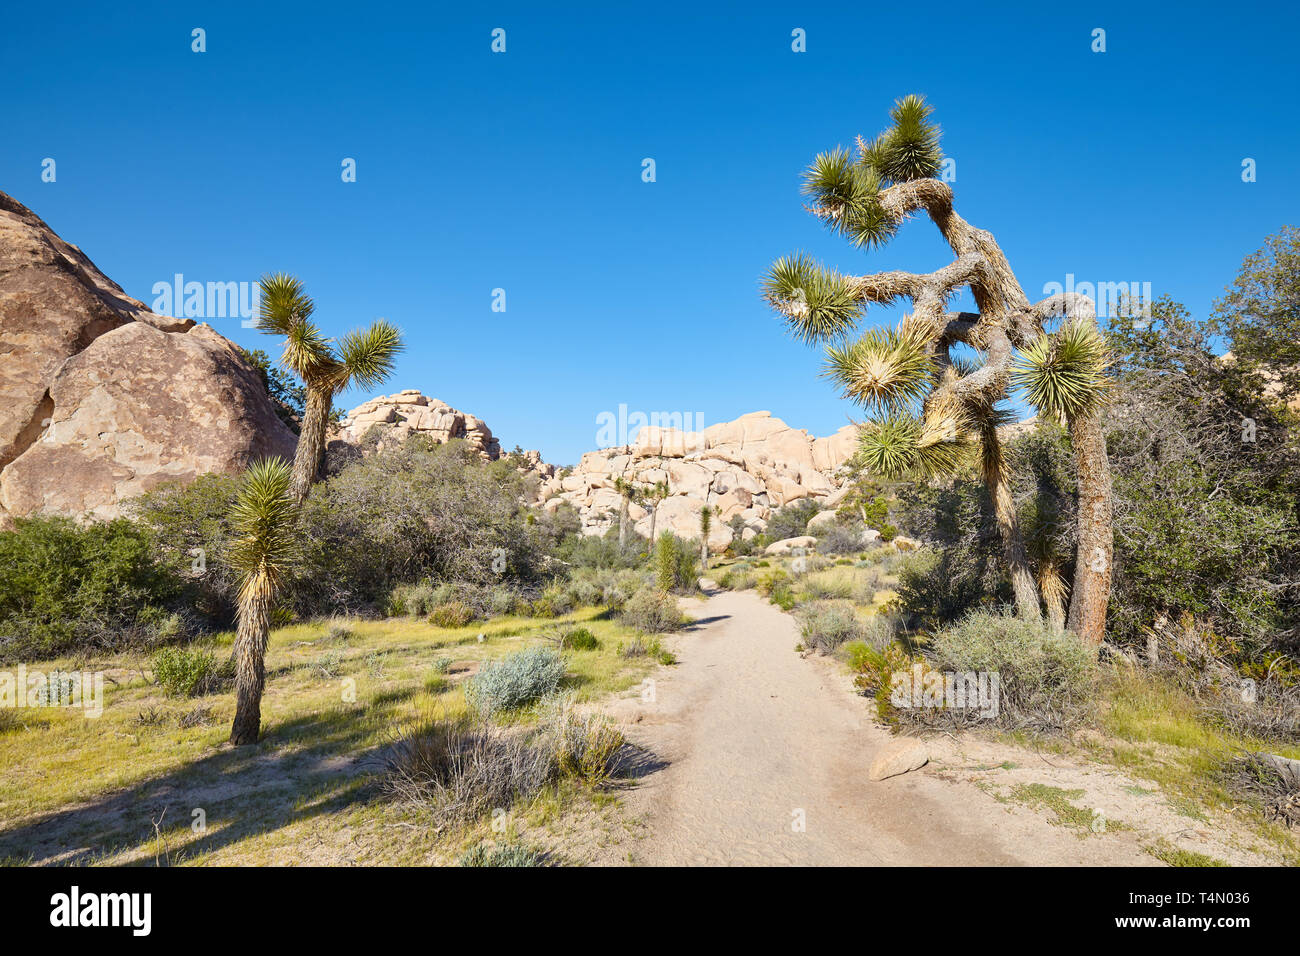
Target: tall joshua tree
[(263, 554), (362, 357), (933, 410)]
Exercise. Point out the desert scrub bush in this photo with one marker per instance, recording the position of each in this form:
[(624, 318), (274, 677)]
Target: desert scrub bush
[(586, 746), (776, 587), (825, 625), (514, 681), (840, 538), (441, 665), (187, 671), (415, 599), (451, 614), (792, 520), (578, 639), (839, 583), (676, 564), (652, 611), (937, 588), (1274, 714), (502, 854), (1268, 783), (738, 577), (339, 632), (1047, 679), (607, 587), (462, 769), (67, 586)]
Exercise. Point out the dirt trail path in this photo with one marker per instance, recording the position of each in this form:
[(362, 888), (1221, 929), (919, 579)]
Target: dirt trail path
[(756, 739)]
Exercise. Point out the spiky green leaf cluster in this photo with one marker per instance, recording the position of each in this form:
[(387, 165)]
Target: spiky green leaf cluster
[(887, 369), (910, 148), (264, 517), (909, 446), (850, 191), (368, 355), (1064, 375), (365, 356), (819, 305)]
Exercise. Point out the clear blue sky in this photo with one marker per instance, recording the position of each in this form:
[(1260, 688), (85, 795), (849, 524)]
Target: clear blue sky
[(522, 170)]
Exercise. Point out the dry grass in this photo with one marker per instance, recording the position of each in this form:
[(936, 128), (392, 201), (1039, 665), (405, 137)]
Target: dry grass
[(83, 790)]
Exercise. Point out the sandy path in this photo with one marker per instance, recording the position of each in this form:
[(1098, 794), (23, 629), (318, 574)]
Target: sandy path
[(758, 739)]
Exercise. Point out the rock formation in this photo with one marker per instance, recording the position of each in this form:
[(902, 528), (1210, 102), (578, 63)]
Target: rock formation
[(394, 417), (101, 399), (743, 468)]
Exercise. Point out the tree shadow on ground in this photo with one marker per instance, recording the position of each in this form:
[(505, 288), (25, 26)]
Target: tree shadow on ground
[(242, 792)]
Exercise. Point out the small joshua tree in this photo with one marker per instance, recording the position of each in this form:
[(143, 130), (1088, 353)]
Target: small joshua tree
[(263, 555), (651, 498), (627, 490), (933, 410), (363, 358), (706, 523)]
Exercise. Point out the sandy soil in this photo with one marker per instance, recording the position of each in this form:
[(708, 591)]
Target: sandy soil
[(764, 757)]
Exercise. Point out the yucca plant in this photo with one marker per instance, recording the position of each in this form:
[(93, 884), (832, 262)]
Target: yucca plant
[(933, 412), (363, 357), (263, 555)]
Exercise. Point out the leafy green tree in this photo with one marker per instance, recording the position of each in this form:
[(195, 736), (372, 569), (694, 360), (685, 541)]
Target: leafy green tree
[(1207, 480), (1260, 315), (288, 398), (362, 357), (934, 409), (264, 554)]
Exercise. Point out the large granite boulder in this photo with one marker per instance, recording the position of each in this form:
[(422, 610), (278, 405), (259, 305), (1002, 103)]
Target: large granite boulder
[(101, 399)]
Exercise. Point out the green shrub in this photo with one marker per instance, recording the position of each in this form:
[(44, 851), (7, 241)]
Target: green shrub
[(738, 577), (653, 611), (792, 520), (502, 854), (841, 538), (578, 639), (514, 681), (66, 586), (936, 588), (452, 614), (825, 625), (186, 671)]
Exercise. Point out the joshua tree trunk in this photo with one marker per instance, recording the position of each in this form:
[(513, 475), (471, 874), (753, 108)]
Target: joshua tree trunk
[(250, 668), (1004, 513), (310, 456), (622, 523), (1092, 566), (654, 513)]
